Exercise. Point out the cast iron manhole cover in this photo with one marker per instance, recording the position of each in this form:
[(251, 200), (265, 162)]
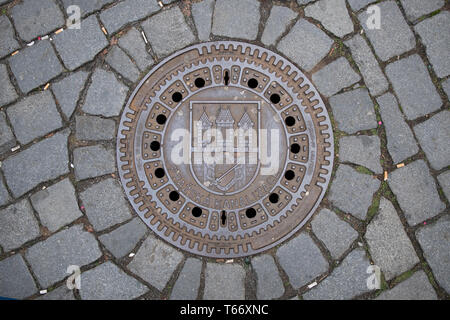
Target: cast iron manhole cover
[(225, 149)]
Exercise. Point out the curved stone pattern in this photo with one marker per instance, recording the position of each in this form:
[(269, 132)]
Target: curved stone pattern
[(202, 208)]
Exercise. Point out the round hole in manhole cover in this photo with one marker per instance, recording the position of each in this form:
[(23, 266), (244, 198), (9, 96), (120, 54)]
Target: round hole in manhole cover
[(225, 149)]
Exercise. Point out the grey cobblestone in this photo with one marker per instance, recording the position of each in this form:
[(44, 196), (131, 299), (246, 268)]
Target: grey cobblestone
[(93, 161), (58, 294), (126, 12), (36, 18), (57, 205), (50, 258), (106, 95), (87, 6), (345, 192), (41, 162), (280, 17), (7, 140), (334, 77), (269, 284), (67, 91), (388, 243), (444, 181), (118, 59), (416, 192), (30, 74), (155, 262), (394, 37), (434, 137), (133, 44), (236, 18), (15, 280), (4, 195), (105, 204), (34, 117), (92, 128), (348, 280), (400, 140), (78, 46), (303, 2), (333, 15), (414, 9), (7, 92), (413, 86), (122, 240), (446, 87), (362, 150), (307, 57), (224, 282), (353, 111), (188, 282), (8, 43), (202, 13), (336, 234), (168, 22), (302, 260), (368, 65), (108, 282), (434, 242), (417, 287), (17, 225), (356, 5)]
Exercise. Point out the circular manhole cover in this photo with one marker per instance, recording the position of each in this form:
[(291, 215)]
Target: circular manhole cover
[(225, 149)]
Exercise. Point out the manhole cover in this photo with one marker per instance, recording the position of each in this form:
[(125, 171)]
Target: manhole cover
[(225, 149)]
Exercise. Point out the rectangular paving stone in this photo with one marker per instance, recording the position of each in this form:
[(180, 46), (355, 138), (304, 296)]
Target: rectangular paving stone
[(434, 242), (7, 92), (268, 282), (373, 76), (236, 19), (416, 192), (336, 234), (333, 15), (124, 239), (362, 150), (347, 281), (188, 282), (354, 111), (91, 128), (67, 91), (302, 260), (133, 44), (105, 204), (416, 287), (224, 282), (306, 57), (57, 205), (78, 46), (169, 22), (36, 18), (394, 37), (35, 66), (356, 5), (43, 161), (106, 95), (434, 35), (400, 139), (155, 262), (434, 138), (17, 225), (16, 281), (280, 17), (4, 195), (413, 86), (126, 12), (120, 62), (49, 259), (109, 282), (7, 140), (444, 181), (388, 242), (86, 6), (8, 42), (345, 192), (414, 9), (93, 161), (202, 13), (34, 117)]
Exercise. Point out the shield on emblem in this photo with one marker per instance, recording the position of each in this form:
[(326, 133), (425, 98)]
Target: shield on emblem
[(225, 138)]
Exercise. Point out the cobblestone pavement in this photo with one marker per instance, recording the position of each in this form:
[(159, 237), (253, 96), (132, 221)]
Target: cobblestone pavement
[(61, 97)]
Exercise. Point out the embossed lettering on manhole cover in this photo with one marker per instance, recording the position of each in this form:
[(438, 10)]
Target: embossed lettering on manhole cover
[(225, 149)]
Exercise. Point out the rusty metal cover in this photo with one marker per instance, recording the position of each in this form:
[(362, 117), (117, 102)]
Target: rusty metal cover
[(225, 149)]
